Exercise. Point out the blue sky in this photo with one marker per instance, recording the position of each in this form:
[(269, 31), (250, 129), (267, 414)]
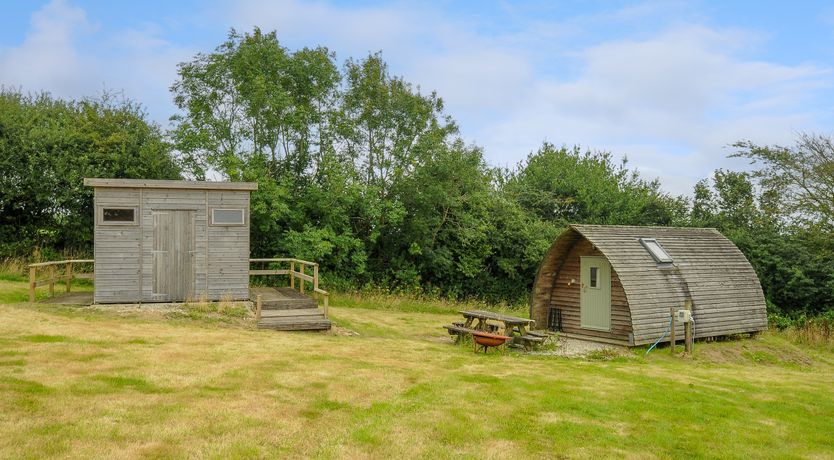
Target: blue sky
[(667, 84)]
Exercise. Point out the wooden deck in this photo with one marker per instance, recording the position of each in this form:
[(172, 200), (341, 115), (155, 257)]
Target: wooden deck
[(70, 298), (286, 309), (283, 309)]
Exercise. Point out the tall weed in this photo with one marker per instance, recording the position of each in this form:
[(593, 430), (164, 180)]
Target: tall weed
[(814, 330)]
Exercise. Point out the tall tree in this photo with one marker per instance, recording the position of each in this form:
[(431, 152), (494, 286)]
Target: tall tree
[(253, 99), (48, 146), (386, 123), (793, 261), (735, 199), (252, 110), (803, 175), (564, 186)]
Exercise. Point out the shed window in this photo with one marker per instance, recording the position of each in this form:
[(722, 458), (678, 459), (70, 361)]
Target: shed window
[(227, 217), (593, 279), (118, 215), (656, 250)]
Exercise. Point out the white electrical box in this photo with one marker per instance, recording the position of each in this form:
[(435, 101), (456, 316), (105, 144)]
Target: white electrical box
[(683, 316)]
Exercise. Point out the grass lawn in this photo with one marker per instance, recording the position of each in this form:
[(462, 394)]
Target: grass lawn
[(84, 383)]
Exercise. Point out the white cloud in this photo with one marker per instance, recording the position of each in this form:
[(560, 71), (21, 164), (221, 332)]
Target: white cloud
[(636, 81), (146, 67), (683, 88), (47, 58), (671, 100), (358, 29), (67, 55)]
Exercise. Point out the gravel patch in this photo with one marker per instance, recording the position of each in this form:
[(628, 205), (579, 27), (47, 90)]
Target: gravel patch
[(574, 348)]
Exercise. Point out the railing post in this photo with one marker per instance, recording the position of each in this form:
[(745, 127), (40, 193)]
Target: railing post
[(315, 281), (69, 276), (292, 275), (326, 304), (32, 281), (302, 279), (51, 280), (258, 305)]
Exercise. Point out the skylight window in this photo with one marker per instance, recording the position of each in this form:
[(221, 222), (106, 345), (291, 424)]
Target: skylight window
[(656, 250)]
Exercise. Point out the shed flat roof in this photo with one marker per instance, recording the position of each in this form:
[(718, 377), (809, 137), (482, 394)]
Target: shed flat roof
[(176, 184)]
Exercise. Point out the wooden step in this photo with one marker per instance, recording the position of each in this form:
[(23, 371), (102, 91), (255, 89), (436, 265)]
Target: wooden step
[(288, 304), (295, 312), (286, 309), (295, 324), (281, 298)]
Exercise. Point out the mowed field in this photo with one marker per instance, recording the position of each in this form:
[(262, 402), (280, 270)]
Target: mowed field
[(85, 383)]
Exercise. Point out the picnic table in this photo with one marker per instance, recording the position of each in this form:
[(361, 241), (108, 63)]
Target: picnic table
[(510, 326), (481, 319)]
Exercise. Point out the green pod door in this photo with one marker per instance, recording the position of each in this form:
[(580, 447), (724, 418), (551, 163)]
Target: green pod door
[(595, 293)]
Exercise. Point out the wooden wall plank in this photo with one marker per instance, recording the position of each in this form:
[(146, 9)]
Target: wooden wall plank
[(726, 294), (566, 292)]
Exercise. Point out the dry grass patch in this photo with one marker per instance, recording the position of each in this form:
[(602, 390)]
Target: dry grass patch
[(83, 383)]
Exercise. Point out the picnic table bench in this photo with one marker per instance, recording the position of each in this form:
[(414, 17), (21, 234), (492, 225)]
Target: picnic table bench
[(479, 321)]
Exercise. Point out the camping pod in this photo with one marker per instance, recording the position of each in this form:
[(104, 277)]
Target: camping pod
[(619, 284)]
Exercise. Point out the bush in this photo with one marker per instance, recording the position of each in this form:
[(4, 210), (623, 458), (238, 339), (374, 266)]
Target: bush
[(814, 330)]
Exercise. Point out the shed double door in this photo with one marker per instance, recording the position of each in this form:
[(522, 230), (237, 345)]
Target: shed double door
[(595, 293), (173, 255)]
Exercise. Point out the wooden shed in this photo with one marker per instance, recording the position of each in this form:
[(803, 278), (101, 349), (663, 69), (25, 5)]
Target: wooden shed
[(616, 284), (168, 240)]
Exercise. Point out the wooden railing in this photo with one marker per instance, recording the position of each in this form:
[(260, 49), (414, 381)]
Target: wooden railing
[(59, 270), (297, 276)]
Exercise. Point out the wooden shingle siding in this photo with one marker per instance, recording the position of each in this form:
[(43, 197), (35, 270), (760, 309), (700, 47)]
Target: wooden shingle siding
[(565, 296), (124, 254), (116, 249), (546, 276), (228, 263), (726, 294)]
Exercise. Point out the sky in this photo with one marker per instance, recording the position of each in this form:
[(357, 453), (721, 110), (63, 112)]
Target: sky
[(668, 85)]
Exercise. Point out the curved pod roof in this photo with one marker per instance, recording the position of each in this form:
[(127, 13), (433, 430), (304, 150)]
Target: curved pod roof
[(707, 268)]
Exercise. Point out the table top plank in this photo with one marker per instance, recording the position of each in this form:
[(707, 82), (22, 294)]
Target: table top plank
[(482, 314)]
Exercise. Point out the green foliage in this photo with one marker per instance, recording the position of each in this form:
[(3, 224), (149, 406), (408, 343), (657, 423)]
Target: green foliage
[(817, 330), (567, 186), (802, 176), (363, 172), (253, 100), (358, 170), (794, 262), (48, 146)]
